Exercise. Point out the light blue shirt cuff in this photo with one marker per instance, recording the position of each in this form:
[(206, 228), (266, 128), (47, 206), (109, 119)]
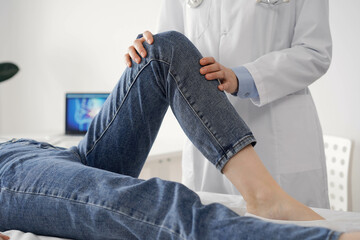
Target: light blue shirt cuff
[(247, 88)]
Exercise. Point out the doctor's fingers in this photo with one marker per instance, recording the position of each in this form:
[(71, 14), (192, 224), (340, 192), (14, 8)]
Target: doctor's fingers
[(216, 75), (227, 86), (137, 49), (133, 54), (148, 36), (224, 86), (127, 60), (207, 60), (229, 83), (139, 46), (213, 71), (215, 67)]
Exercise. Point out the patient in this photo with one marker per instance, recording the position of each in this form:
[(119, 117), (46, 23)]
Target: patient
[(92, 191)]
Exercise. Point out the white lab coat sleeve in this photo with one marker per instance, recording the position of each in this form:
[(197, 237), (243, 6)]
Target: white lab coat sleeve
[(171, 16), (280, 73)]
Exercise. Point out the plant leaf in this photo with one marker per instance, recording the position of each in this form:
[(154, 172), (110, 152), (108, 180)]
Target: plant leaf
[(7, 70)]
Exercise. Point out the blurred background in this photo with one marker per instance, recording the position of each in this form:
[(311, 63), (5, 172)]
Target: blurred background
[(78, 46)]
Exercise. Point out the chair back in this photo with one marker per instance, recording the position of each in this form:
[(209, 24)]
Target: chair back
[(337, 152)]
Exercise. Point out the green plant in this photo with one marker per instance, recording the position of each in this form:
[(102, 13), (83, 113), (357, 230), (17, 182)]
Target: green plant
[(7, 70)]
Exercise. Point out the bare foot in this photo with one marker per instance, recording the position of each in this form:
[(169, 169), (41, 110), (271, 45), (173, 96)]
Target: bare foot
[(281, 206), (350, 236), (264, 197)]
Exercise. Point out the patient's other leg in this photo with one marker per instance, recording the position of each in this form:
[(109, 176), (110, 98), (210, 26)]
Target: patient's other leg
[(48, 191)]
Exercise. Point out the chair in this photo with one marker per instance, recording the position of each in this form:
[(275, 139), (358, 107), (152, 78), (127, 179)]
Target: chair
[(337, 152)]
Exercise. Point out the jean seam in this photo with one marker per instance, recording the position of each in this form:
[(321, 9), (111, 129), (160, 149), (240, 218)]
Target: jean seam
[(118, 109), (76, 155), (170, 231), (243, 142), (191, 107), (202, 122), (122, 103), (333, 235)]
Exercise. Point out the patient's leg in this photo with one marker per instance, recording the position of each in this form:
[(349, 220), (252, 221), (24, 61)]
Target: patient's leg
[(121, 135), (263, 195), (47, 191), (350, 236)]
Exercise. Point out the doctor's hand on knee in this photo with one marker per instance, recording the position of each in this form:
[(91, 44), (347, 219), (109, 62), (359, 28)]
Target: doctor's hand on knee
[(215, 71), (137, 50)]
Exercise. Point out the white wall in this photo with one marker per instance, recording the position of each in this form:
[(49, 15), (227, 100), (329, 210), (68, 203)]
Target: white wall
[(337, 94), (68, 46), (78, 45)]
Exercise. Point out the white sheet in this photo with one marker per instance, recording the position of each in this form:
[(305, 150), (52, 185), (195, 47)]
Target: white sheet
[(339, 221), (336, 220)]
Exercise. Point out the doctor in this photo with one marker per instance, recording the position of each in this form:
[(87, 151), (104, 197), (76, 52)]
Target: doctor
[(274, 49)]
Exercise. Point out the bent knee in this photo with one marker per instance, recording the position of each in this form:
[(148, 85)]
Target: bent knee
[(176, 43), (173, 36)]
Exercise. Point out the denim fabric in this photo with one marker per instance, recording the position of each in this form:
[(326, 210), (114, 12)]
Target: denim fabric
[(131, 117), (91, 191)]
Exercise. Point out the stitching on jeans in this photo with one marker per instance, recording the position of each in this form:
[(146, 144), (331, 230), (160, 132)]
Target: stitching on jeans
[(95, 205), (121, 104), (202, 122), (75, 154), (246, 140), (135, 79)]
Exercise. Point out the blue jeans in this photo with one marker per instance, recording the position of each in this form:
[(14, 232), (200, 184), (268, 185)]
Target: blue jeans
[(92, 191)]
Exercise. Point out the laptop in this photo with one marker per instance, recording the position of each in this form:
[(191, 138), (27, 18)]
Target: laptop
[(81, 108)]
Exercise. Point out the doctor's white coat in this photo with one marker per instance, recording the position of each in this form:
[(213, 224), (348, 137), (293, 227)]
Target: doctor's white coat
[(285, 46)]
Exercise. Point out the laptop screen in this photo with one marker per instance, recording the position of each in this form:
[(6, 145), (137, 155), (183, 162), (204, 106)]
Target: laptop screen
[(81, 108)]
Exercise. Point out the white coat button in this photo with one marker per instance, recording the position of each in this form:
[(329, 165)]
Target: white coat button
[(194, 3)]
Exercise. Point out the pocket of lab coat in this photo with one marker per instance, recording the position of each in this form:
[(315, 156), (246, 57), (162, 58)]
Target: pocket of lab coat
[(198, 19), (277, 24)]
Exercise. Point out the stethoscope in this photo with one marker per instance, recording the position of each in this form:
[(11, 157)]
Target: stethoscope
[(196, 3)]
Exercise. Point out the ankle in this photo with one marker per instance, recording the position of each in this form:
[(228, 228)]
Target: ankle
[(267, 202)]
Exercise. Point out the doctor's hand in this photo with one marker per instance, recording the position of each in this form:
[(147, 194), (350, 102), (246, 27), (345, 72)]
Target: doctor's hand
[(137, 49), (215, 71)]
